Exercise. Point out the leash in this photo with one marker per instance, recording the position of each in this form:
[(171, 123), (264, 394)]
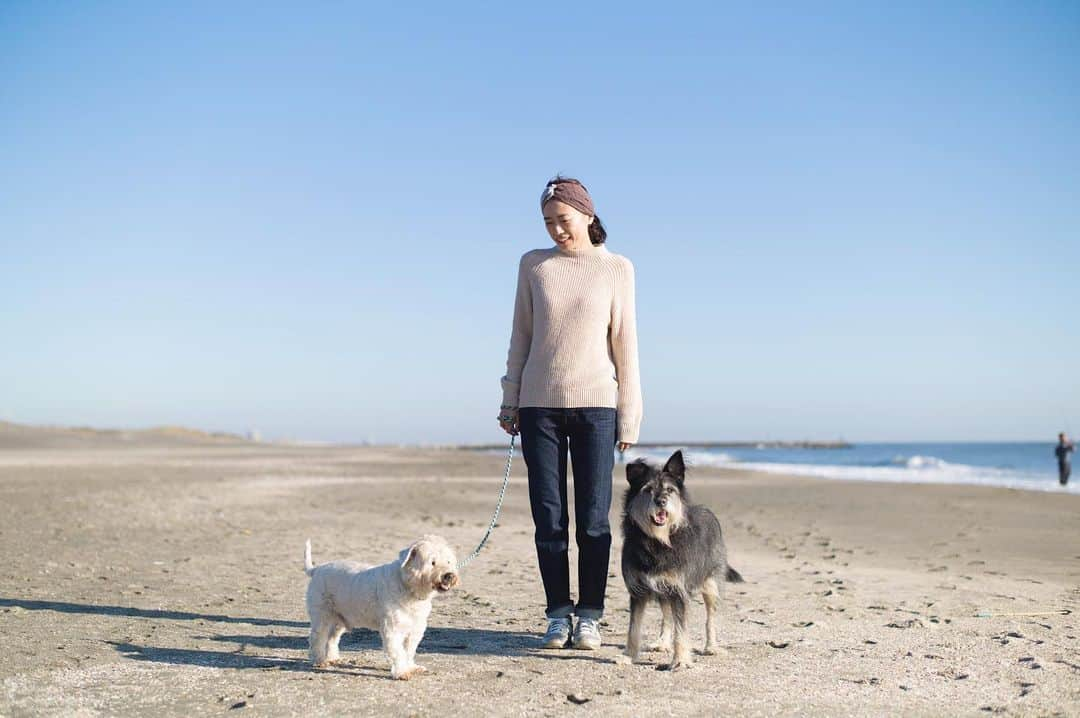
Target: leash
[(495, 517)]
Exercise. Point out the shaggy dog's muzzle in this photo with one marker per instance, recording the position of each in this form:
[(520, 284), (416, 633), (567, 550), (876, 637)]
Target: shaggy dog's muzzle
[(659, 514)]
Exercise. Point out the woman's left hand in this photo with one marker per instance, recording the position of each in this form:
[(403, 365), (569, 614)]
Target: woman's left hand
[(623, 445)]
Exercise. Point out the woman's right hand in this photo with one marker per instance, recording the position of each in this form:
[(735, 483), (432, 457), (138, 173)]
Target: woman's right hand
[(508, 421)]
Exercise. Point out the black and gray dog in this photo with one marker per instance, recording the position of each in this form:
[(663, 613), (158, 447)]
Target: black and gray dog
[(671, 550)]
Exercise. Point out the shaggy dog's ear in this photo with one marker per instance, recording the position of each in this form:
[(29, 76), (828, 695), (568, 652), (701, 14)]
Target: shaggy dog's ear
[(637, 473), (675, 466)]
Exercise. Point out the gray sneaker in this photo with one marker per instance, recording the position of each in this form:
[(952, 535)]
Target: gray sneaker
[(587, 634), (558, 633)]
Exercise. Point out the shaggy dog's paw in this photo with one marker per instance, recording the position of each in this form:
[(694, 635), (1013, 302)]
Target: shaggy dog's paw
[(712, 651), (624, 659), (675, 666)]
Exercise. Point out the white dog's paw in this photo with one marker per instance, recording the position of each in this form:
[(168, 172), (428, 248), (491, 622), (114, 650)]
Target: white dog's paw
[(409, 673), (658, 647)]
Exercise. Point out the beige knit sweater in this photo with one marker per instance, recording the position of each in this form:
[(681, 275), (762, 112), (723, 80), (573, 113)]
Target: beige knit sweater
[(574, 340)]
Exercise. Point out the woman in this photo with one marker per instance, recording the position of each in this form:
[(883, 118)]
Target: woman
[(572, 383)]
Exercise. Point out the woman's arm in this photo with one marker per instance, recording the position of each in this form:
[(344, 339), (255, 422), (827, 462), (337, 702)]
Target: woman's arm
[(520, 337), (624, 350)]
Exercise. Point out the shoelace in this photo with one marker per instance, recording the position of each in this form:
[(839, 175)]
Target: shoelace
[(587, 626), (557, 627)]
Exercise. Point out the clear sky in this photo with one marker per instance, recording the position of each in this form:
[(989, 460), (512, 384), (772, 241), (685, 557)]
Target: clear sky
[(856, 220)]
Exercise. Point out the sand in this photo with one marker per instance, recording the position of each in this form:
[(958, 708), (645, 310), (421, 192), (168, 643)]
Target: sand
[(162, 575)]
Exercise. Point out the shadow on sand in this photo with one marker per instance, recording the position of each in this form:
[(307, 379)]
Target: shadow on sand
[(450, 641), (129, 611), (221, 659), (438, 640), (453, 641)]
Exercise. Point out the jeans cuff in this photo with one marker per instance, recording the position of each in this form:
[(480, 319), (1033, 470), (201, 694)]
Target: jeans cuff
[(587, 612), (561, 611)]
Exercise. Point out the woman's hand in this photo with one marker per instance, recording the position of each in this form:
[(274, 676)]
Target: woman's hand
[(508, 420), (623, 446)]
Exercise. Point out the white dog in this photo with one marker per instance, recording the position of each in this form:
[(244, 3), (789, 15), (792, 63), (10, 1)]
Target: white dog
[(393, 599)]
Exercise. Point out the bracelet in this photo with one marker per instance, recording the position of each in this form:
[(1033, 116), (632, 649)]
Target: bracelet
[(507, 406)]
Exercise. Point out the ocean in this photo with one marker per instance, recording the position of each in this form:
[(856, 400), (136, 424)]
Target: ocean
[(1014, 465)]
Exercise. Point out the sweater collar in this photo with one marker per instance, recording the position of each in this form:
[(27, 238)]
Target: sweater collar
[(591, 251)]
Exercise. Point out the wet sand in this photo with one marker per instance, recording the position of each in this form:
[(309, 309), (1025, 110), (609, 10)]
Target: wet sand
[(163, 575)]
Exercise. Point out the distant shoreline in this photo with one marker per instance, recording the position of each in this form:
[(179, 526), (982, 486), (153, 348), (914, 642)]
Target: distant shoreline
[(706, 445)]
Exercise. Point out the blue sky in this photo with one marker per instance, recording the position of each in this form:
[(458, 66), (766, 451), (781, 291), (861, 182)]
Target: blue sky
[(850, 220)]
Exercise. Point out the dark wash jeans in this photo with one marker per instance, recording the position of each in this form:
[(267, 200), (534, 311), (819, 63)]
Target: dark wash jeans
[(589, 434)]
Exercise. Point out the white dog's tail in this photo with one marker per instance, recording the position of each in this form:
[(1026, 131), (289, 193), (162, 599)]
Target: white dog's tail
[(309, 567)]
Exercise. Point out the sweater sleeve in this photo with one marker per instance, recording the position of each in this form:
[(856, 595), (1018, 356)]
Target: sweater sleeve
[(520, 337), (624, 350)]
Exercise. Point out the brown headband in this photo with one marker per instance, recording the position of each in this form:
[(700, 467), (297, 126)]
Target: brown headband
[(571, 193)]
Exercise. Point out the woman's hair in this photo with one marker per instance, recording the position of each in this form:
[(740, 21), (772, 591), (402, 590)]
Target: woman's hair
[(597, 233)]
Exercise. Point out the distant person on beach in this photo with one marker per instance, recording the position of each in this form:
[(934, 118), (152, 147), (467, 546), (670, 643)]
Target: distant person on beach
[(572, 383), (1062, 451)]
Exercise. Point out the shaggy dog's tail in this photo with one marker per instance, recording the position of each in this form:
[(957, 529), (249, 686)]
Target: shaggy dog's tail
[(732, 576), (309, 567)]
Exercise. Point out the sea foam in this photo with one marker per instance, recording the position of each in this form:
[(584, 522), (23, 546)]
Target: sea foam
[(917, 469)]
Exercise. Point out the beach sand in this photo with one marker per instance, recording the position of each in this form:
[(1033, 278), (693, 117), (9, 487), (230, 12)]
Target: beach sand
[(162, 574)]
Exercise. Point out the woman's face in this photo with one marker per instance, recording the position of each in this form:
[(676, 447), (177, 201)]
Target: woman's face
[(568, 227)]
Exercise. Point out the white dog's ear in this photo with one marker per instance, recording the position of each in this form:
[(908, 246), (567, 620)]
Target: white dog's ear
[(408, 554)]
